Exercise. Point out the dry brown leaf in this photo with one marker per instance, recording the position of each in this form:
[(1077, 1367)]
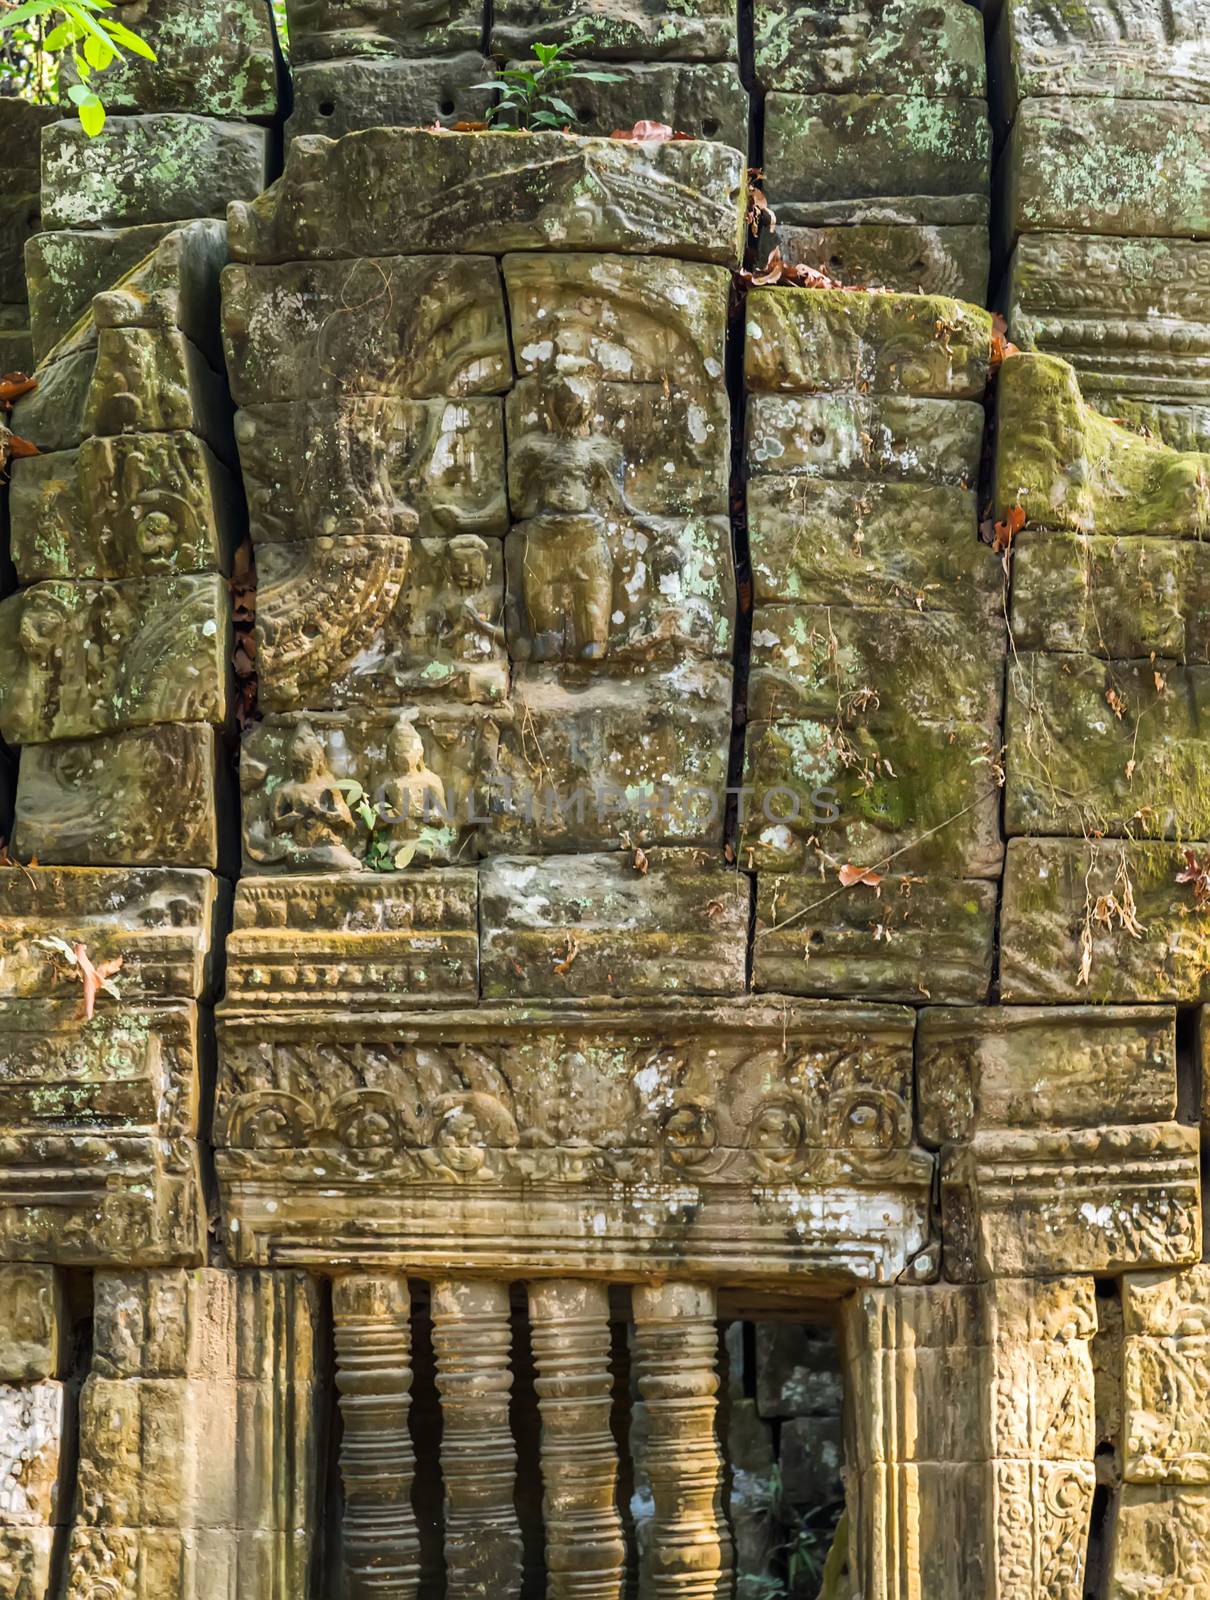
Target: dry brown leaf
[(15, 384), (850, 875), (570, 951), (641, 863), (94, 977), (1002, 345), (649, 132)]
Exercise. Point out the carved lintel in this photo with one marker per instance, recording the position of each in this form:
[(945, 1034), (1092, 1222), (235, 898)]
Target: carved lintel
[(585, 1549), (676, 1344), (374, 1376)]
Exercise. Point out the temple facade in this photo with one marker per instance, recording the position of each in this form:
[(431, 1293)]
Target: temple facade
[(605, 916)]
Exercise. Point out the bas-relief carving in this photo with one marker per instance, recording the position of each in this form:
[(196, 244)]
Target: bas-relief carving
[(593, 1118), (92, 657)]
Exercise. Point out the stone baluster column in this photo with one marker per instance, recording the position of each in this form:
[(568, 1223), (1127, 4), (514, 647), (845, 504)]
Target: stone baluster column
[(372, 1314), (675, 1346), (585, 1548), (471, 1338)]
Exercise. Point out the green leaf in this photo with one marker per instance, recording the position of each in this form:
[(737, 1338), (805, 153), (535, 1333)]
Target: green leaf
[(81, 66), (92, 116), (351, 789), (403, 855), (74, 8), (29, 12), (97, 53), (553, 103), (601, 77), (365, 812), (61, 36), (77, 93), (123, 35)]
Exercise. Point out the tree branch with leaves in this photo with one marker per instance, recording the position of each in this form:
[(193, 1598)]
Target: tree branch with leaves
[(81, 32)]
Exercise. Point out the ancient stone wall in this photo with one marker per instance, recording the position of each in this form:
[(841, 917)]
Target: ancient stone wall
[(606, 917)]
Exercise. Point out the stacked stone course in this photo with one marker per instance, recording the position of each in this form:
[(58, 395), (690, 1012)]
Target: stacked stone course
[(686, 878)]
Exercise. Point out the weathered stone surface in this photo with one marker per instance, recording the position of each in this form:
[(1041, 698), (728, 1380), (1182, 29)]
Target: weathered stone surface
[(1089, 165), (829, 792), (1114, 748), (912, 940), (738, 1135), (705, 99), (32, 1426), (877, 545), (372, 940), (582, 449), (337, 97), (84, 658), (1070, 468), (218, 61), (22, 125), (99, 1122), (608, 317), (1166, 1366), (1140, 50), (810, 1461), (586, 926), (170, 268), (582, 587), (692, 30), (125, 380), (424, 772), (199, 1466), (832, 661), (1121, 599), (416, 328), (862, 437), (148, 796), (911, 257), (1159, 1543), (324, 29), (1096, 1175), (1129, 314), (874, 47), (373, 464), (125, 505), (412, 190), (32, 1326), (1066, 900), (161, 168), (160, 921), (877, 158), (827, 340), (983, 1069), (593, 764), (25, 1558), (400, 617)]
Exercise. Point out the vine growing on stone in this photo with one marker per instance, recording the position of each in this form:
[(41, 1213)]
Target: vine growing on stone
[(79, 33)]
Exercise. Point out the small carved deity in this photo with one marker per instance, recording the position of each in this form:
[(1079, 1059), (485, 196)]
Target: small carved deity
[(466, 626), (42, 636), (309, 810), (412, 793)]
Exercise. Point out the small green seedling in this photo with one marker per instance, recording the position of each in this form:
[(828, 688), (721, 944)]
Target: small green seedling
[(531, 93)]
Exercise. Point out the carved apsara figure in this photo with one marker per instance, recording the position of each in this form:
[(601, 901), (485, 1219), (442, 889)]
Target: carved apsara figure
[(412, 794), (309, 810)]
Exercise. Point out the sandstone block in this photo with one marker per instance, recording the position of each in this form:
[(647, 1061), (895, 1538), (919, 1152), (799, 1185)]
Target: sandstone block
[(911, 941), (32, 1419), (91, 657), (859, 157), (862, 437), (394, 941), (32, 1331), (321, 30), (161, 168), (911, 257), (643, 30), (904, 47), (412, 190), (154, 796), (929, 347), (373, 465), (1159, 1543), (338, 97), (586, 926)]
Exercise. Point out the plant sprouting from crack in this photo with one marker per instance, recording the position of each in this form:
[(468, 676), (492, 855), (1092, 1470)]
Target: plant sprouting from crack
[(82, 34), (532, 92), (382, 853)]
